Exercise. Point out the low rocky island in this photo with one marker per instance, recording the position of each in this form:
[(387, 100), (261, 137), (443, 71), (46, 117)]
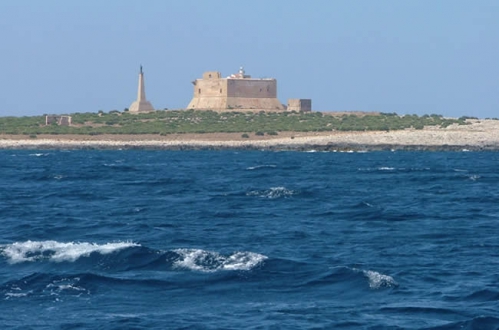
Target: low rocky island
[(475, 136)]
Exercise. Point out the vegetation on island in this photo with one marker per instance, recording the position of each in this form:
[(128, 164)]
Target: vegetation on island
[(165, 122)]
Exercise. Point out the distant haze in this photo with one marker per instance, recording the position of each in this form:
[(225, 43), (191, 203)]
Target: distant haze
[(409, 57)]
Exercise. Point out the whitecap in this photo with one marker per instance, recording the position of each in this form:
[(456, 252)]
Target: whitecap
[(386, 168), (377, 280), (208, 261), (272, 193), (367, 204), (9, 295), (57, 251), (474, 177)]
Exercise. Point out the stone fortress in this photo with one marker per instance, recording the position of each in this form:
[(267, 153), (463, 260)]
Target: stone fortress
[(237, 92), (240, 92)]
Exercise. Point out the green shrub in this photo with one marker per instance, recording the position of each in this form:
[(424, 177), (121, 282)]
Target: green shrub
[(199, 121), (245, 136)]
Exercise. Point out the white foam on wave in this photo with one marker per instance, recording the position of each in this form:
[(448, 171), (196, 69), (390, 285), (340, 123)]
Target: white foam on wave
[(367, 204), (9, 295), (16, 292), (207, 261), (374, 169), (377, 280), (274, 192), (260, 166), (39, 154), (57, 251), (66, 285)]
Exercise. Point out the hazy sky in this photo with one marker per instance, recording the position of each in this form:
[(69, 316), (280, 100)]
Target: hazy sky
[(404, 56)]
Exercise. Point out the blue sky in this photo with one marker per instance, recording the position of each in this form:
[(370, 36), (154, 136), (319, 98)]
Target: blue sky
[(409, 57)]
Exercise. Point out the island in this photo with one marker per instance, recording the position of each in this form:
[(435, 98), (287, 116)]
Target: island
[(210, 130)]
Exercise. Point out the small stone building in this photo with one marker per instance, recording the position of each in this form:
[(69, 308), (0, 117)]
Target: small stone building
[(59, 120), (299, 105)]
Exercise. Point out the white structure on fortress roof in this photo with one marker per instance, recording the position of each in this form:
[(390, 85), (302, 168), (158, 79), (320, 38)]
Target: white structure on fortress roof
[(240, 75)]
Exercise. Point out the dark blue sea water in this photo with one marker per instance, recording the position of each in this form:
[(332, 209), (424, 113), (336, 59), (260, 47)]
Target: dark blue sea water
[(249, 240)]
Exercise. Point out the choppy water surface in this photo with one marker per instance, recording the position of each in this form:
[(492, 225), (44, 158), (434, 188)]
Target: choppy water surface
[(253, 240)]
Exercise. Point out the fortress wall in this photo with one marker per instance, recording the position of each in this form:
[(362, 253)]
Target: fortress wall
[(210, 88), (252, 88), (208, 103), (209, 94), (254, 103)]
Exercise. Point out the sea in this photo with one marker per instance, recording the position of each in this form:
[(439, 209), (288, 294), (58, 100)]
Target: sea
[(138, 239)]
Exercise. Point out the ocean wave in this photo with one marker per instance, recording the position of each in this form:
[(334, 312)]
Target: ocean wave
[(479, 322), (56, 251), (484, 295), (354, 277), (378, 280), (47, 285), (207, 261), (273, 193), (127, 259)]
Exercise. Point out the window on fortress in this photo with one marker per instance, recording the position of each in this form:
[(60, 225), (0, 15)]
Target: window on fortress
[(199, 91), (210, 75), (220, 91)]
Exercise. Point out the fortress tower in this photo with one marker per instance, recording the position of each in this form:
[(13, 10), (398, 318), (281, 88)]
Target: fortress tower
[(141, 105), (237, 92)]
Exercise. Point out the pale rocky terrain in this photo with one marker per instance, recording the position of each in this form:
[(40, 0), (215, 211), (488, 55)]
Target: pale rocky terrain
[(479, 135)]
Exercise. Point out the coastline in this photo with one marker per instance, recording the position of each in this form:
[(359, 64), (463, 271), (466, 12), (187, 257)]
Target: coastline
[(479, 135)]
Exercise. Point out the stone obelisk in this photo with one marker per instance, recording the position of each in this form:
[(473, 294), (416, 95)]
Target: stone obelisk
[(141, 105)]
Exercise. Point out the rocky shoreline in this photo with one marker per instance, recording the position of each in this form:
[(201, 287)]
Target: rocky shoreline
[(479, 135)]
